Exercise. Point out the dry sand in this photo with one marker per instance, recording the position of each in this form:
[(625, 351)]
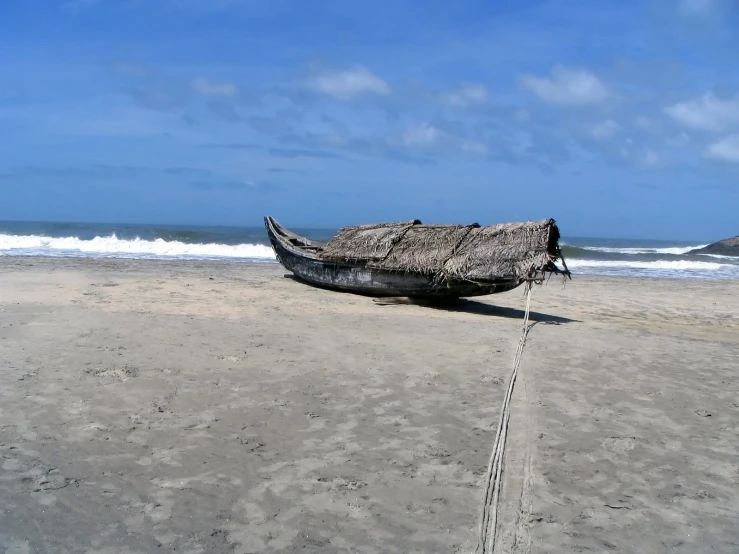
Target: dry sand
[(217, 407)]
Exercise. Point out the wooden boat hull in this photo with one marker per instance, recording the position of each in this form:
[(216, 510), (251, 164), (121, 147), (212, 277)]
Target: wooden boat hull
[(298, 255)]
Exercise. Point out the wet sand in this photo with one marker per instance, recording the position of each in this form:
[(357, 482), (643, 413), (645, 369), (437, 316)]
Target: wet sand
[(188, 407)]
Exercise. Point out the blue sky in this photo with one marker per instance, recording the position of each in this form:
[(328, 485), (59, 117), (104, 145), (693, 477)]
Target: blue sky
[(617, 119)]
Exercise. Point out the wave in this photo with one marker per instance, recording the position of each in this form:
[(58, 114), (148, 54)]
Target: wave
[(707, 266), (658, 264), (675, 251), (673, 269), (112, 246), (720, 256)]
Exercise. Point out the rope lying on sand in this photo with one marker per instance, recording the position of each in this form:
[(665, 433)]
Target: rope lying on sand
[(489, 518)]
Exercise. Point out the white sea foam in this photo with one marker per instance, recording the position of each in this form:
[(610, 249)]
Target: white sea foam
[(658, 264), (657, 268), (676, 251), (718, 267), (721, 257), (112, 246)]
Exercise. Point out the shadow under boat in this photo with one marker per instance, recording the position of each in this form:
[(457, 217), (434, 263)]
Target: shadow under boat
[(461, 305), (481, 308)]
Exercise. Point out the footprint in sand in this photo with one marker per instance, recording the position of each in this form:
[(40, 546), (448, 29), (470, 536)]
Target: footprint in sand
[(118, 373), (11, 465), (620, 445), (18, 547)]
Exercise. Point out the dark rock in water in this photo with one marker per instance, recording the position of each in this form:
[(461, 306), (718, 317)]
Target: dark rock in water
[(728, 247)]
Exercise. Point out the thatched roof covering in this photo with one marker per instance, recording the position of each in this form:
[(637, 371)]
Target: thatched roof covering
[(365, 242), (470, 252), (513, 250), (424, 248)]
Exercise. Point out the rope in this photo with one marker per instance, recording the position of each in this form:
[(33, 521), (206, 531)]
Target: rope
[(489, 519)]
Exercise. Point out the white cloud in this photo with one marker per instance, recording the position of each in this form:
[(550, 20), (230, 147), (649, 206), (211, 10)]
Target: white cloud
[(212, 88), (680, 140), (567, 87), (643, 123), (130, 70), (726, 149), (349, 83), (522, 115), (649, 158), (641, 157), (695, 7), (477, 148), (466, 95), (649, 125), (422, 135), (74, 6), (706, 113), (605, 129), (201, 5)]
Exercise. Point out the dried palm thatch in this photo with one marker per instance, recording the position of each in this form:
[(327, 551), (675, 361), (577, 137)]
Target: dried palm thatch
[(424, 248), (467, 252), (512, 250), (364, 243)]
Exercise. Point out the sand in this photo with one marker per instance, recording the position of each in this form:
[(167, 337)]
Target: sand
[(187, 407)]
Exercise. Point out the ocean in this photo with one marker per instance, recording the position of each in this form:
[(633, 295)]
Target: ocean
[(595, 256)]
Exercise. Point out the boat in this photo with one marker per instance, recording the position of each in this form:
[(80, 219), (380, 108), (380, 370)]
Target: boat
[(413, 260)]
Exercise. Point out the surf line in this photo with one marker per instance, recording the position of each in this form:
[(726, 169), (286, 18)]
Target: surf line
[(493, 481)]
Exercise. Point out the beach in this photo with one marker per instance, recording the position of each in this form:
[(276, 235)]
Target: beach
[(204, 406)]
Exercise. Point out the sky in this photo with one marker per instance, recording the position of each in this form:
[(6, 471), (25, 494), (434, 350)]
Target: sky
[(617, 119)]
